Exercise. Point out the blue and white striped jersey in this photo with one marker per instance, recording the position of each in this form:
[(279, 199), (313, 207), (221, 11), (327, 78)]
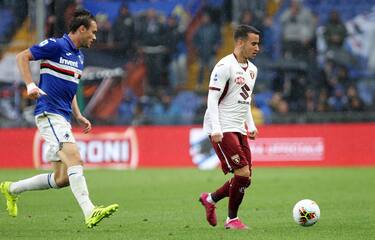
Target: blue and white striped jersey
[(60, 70)]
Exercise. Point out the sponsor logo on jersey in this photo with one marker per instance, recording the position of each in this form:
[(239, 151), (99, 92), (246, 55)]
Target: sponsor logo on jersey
[(239, 80), (243, 102), (68, 62), (68, 54)]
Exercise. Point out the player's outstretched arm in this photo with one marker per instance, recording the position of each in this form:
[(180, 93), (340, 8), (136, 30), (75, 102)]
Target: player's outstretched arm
[(23, 62), (84, 122)]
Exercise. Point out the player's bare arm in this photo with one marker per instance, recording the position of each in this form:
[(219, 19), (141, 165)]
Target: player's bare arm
[(23, 62), (84, 122)]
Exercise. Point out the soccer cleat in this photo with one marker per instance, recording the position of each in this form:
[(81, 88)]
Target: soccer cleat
[(235, 224), (10, 198), (99, 213), (210, 209)]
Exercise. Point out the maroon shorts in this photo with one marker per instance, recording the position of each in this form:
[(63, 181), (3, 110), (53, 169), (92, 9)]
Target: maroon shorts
[(233, 151)]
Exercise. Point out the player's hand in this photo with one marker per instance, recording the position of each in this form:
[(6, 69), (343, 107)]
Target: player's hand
[(252, 134), (217, 137), (33, 91), (85, 123)]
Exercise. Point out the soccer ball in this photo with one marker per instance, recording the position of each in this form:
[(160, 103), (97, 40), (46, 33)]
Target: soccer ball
[(306, 212)]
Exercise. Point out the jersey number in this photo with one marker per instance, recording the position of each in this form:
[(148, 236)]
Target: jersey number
[(244, 92), (43, 43)]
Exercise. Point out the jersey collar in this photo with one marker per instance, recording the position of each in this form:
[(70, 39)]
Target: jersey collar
[(66, 37), (247, 63)]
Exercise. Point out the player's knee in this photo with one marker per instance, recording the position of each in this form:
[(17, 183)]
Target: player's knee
[(244, 171), (62, 181)]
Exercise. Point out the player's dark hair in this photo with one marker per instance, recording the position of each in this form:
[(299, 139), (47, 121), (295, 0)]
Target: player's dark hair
[(242, 31), (81, 17)]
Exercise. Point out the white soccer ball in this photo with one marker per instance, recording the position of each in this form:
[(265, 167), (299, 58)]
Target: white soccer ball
[(306, 212)]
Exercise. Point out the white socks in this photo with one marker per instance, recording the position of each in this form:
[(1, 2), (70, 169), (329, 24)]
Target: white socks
[(38, 182), (79, 189), (209, 199)]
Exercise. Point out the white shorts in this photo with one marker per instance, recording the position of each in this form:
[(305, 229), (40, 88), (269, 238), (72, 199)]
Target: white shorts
[(55, 130)]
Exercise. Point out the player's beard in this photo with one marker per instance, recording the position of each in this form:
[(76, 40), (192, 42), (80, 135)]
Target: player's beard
[(86, 44)]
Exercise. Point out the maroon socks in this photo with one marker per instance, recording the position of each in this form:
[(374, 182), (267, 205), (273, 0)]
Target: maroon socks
[(236, 193), (222, 192)]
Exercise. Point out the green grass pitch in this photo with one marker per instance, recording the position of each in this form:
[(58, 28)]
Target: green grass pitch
[(163, 204)]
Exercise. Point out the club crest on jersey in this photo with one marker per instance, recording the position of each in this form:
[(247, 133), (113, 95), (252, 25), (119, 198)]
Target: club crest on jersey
[(239, 80), (235, 158), (252, 74)]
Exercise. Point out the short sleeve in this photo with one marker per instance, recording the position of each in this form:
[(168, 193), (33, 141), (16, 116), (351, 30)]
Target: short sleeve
[(45, 50), (219, 77)]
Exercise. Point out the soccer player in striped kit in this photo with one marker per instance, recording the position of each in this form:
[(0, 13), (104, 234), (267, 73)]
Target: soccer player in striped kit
[(60, 71), (229, 123)]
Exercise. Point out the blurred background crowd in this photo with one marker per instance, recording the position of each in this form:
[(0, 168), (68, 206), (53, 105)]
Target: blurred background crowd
[(152, 58)]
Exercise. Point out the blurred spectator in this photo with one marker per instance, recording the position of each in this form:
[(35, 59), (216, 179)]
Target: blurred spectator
[(176, 53), (278, 104), (127, 108), (51, 18), (295, 90), (153, 45), (256, 7), (104, 30), (267, 39), (366, 88), (20, 11), (354, 102), (64, 10), (123, 31), (7, 108), (206, 41), (257, 114), (309, 101), (322, 104), (248, 18), (184, 106), (335, 34), (298, 28), (338, 101)]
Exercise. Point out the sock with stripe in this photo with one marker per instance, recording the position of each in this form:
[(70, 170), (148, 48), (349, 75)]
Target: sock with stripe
[(79, 188), (38, 182)]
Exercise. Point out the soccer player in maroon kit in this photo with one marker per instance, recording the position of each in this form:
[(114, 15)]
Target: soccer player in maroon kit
[(229, 123)]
